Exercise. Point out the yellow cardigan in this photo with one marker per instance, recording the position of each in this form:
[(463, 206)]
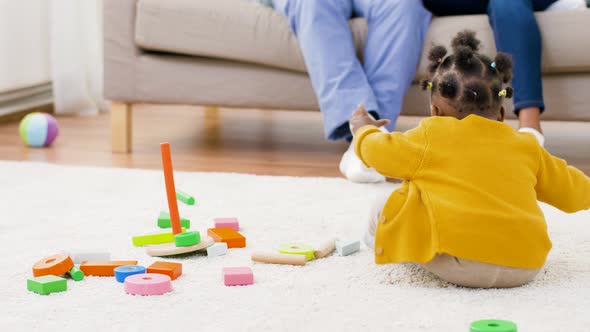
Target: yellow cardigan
[(470, 190)]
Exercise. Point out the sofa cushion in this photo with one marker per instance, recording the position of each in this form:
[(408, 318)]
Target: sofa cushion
[(247, 32), (563, 33), (226, 29)]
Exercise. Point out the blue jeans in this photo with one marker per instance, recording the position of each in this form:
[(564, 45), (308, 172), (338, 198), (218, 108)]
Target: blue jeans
[(396, 30), (515, 32)]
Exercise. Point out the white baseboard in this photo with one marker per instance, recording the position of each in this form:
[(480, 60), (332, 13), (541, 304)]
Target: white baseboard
[(26, 98)]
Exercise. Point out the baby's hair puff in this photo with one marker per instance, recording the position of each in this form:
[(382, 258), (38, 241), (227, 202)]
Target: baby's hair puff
[(471, 82)]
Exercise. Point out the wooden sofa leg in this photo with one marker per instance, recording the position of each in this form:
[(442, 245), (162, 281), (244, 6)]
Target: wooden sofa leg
[(210, 109), (121, 127)]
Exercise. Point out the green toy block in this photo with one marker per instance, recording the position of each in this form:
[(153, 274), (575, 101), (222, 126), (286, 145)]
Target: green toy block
[(156, 238), (164, 221), (185, 198), (187, 239), (492, 325), (47, 284), (76, 274)]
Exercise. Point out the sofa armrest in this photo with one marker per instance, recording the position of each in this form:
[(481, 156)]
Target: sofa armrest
[(120, 52)]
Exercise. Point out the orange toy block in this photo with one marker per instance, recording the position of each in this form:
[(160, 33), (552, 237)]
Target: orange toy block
[(170, 189), (103, 268), (171, 269), (227, 235), (53, 265)]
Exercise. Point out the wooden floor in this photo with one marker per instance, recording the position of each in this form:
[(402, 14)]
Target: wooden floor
[(230, 140)]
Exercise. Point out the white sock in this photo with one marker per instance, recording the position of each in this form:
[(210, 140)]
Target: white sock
[(540, 138), (567, 5), (353, 168)]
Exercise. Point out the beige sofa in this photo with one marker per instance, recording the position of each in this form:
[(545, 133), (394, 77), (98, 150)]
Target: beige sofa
[(233, 53)]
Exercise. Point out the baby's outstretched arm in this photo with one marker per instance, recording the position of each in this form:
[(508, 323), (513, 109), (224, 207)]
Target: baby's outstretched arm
[(563, 186), (395, 155)]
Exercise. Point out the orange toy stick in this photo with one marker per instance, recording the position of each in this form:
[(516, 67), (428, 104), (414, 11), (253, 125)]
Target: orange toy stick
[(170, 189)]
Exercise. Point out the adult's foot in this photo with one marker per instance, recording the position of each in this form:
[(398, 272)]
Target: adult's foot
[(529, 119), (540, 138), (354, 170)]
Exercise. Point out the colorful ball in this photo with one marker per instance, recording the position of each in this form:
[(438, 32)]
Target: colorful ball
[(38, 129)]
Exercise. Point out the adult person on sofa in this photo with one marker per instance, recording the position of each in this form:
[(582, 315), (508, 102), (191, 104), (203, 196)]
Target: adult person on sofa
[(515, 32), (396, 30)]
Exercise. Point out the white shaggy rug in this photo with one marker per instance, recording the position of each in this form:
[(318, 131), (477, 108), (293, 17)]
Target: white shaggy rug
[(46, 209)]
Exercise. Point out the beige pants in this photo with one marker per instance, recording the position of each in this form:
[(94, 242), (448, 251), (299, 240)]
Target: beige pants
[(462, 272)]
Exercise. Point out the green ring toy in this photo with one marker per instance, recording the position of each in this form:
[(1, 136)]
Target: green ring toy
[(492, 325), (297, 249), (187, 239)]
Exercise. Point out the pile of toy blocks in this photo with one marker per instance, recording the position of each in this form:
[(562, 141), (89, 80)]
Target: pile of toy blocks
[(50, 273)]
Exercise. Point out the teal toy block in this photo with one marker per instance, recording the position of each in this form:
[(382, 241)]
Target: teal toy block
[(76, 274), (345, 248), (217, 249), (164, 221), (47, 284), (184, 197)]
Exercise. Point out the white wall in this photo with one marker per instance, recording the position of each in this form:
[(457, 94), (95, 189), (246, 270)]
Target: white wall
[(24, 43)]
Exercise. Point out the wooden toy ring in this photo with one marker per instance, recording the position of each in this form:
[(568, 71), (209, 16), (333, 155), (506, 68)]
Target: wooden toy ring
[(148, 284), (297, 249), (170, 249), (187, 239), (122, 272), (492, 325), (53, 265)]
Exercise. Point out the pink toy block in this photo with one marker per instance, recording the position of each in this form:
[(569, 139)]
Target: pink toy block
[(234, 276), (148, 284), (227, 223)]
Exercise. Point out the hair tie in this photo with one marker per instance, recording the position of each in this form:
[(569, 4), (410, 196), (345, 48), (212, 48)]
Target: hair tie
[(493, 64), (502, 93), (439, 60), (429, 85)]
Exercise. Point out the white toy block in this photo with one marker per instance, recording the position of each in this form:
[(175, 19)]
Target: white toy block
[(218, 249), (78, 256), (345, 248)]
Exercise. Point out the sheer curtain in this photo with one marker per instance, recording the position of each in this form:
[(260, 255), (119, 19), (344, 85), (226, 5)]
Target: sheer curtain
[(76, 56)]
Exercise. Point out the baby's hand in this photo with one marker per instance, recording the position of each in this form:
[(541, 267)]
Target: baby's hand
[(361, 118)]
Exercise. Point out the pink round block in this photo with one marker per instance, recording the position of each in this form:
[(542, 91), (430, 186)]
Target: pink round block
[(148, 284)]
